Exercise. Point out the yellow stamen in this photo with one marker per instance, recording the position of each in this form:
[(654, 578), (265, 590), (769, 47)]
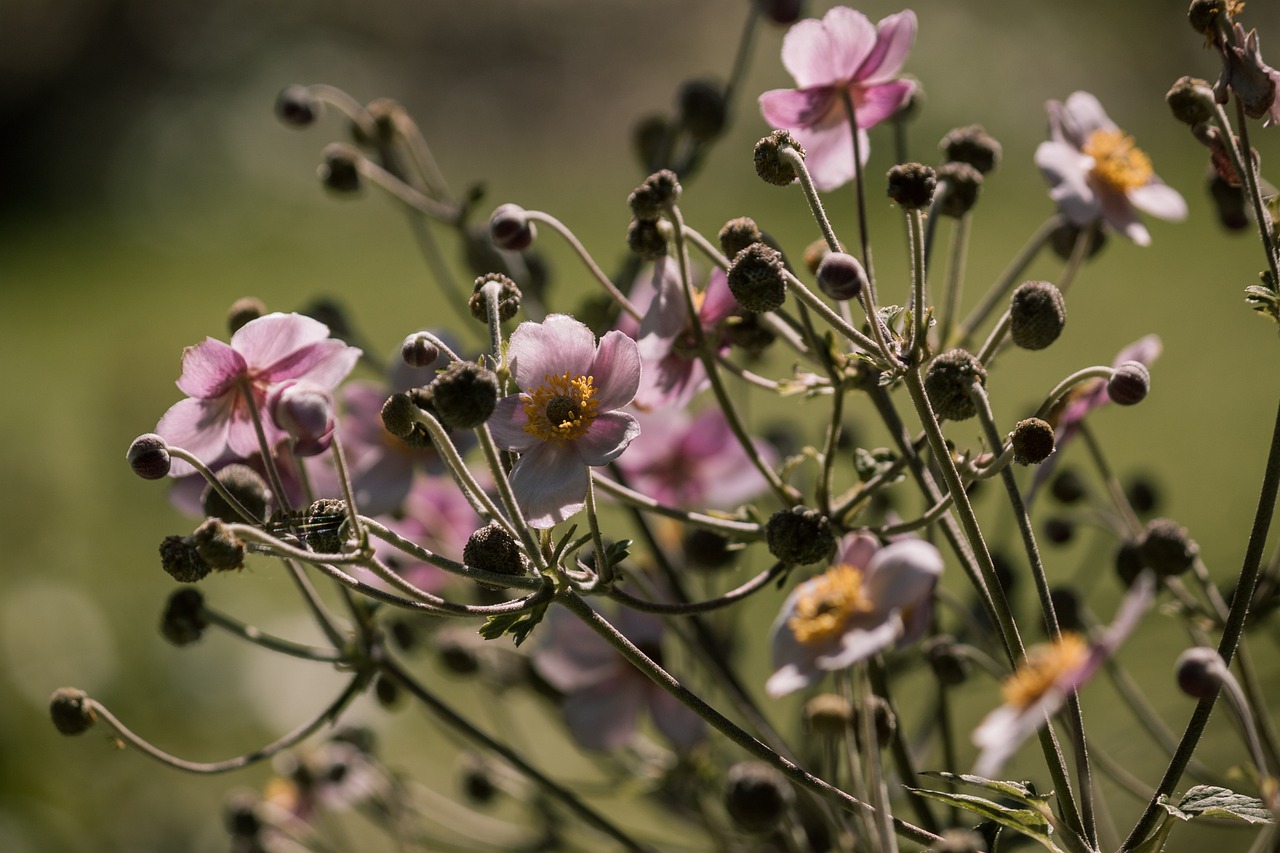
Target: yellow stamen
[(1117, 162), (834, 597), (1044, 666), (562, 408)]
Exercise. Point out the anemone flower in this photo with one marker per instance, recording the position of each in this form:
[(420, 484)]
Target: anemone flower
[(566, 419), (871, 598), (1095, 172), (227, 385), (842, 53), (1049, 674)]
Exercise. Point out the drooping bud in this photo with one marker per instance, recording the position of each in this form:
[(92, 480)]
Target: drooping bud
[(218, 546), (1068, 486), (1037, 314), (911, 185), (841, 276), (947, 384), (246, 486), (179, 557), (964, 182), (1064, 237), (707, 550), (340, 170), (756, 278), (510, 228), (71, 712), (1199, 671), (943, 655), (509, 297), (149, 457), (304, 410), (465, 394), (1191, 101), (244, 310), (771, 166), (648, 238), (419, 351), (1166, 549), (756, 796), (737, 234), (1033, 441), (184, 621), (782, 12), (1230, 202), (972, 145), (702, 109), (1130, 383), (297, 106), (747, 332), (799, 536), (884, 721)]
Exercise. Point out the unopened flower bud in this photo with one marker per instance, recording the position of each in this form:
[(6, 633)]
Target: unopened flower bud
[(1203, 13), (179, 557), (492, 549), (651, 140), (1068, 608), (799, 536), (1037, 314), (71, 712), (702, 109), (648, 238), (829, 715), (1059, 530), (949, 666), (1064, 237), (781, 12), (419, 351), (1251, 79), (218, 546), (244, 310), (340, 170), (651, 199), (737, 234), (1200, 672), (771, 166), (477, 778), (911, 185), (972, 145), (304, 410), (1166, 549), (149, 457), (1143, 494), (511, 229), (756, 280), (964, 183), (1191, 101), (1067, 487), (387, 691), (333, 314), (841, 276), (508, 297), (465, 394), (746, 332), (813, 255), (947, 384), (297, 106), (1128, 563), (756, 796), (1033, 441), (246, 486), (1130, 383), (398, 415), (184, 621)]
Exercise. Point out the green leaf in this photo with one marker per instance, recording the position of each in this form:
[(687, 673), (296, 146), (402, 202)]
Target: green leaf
[(1020, 791), (1214, 802), (1029, 822), (518, 625), (870, 463)]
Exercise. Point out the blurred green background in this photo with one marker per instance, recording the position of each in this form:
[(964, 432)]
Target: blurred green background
[(148, 185)]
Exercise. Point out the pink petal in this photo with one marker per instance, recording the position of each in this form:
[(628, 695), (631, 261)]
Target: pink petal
[(608, 436), (665, 312), (550, 482), (1146, 350), (829, 153), (999, 735), (1084, 115), (326, 363), (242, 436), (209, 369), (1067, 171), (876, 103), (902, 574), (272, 337), (894, 36), (793, 108), (507, 424), (858, 550), (1122, 216), (860, 642), (717, 300), (1160, 200), (818, 53), (197, 426), (558, 345), (616, 369)]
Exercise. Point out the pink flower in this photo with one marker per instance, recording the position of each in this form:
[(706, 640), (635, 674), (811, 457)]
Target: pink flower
[(1048, 676), (688, 461), (840, 53), (214, 421), (567, 417), (1096, 172), (603, 693), (870, 599)]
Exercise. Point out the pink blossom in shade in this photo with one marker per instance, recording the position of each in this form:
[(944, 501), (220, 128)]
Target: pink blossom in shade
[(1254, 82), (692, 461), (841, 53), (1095, 172), (871, 598), (214, 421), (673, 372), (1048, 675), (603, 693), (566, 417)]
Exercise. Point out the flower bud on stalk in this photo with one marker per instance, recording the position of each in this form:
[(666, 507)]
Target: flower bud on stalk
[(756, 796), (149, 457), (511, 229), (465, 394), (184, 621), (1130, 383), (947, 384), (911, 185), (841, 276), (800, 536), (70, 711), (771, 166), (297, 106), (755, 278), (972, 145), (1037, 314)]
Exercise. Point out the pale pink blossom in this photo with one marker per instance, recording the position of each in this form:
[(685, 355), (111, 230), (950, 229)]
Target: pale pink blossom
[(566, 418), (841, 53), (1095, 172)]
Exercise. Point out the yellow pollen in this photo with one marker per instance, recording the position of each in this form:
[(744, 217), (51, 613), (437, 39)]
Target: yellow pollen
[(1044, 666), (835, 596), (1117, 162), (562, 408)]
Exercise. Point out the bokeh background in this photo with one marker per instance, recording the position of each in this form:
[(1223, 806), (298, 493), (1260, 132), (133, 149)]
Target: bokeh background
[(147, 185)]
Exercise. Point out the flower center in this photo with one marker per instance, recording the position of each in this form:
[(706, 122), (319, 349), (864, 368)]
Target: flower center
[(1117, 162), (562, 408), (833, 598), (1044, 667)]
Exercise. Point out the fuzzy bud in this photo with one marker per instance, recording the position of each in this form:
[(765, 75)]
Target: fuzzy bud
[(326, 526), (493, 550), (246, 486), (972, 145), (947, 384), (465, 394), (1203, 13), (184, 621), (841, 276), (182, 561), (737, 234), (799, 536), (755, 278), (1200, 672), (771, 166), (297, 106), (964, 183), (510, 228), (419, 351), (911, 185), (829, 715), (1166, 549), (648, 238), (702, 109), (398, 415), (781, 12), (340, 170), (746, 332), (149, 457), (1191, 101), (508, 297), (1128, 563), (217, 546), (1037, 314), (71, 712), (756, 796), (1033, 441), (1130, 383), (659, 192), (244, 310), (304, 410), (949, 666)]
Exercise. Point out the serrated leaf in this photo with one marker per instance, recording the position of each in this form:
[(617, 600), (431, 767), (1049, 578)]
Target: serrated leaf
[(518, 625), (870, 463), (1028, 822), (1020, 791), (1215, 802)]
